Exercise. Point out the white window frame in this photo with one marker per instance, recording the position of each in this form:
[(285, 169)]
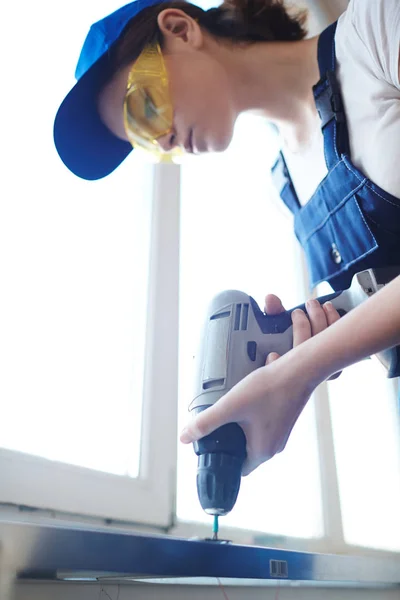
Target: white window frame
[(40, 483)]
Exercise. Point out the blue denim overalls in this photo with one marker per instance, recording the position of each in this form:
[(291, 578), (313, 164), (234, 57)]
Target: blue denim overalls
[(350, 223)]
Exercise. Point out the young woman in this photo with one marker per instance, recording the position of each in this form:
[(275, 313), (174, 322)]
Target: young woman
[(171, 78)]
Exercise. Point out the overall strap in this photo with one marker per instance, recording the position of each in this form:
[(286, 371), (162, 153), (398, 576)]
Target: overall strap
[(284, 185), (328, 100)]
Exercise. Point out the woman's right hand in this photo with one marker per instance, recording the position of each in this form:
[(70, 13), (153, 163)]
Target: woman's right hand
[(305, 325)]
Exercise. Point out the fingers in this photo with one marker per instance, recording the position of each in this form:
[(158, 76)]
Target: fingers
[(272, 356), (261, 447), (321, 317), (273, 305), (204, 423), (258, 446), (316, 320), (249, 466), (331, 313), (301, 327), (332, 316), (317, 316)]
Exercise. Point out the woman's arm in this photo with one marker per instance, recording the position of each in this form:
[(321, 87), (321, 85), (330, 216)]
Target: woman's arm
[(268, 402), (371, 327)]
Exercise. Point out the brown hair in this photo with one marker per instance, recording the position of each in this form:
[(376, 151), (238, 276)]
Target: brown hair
[(235, 20)]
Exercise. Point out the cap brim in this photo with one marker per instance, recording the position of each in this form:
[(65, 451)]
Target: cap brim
[(84, 143)]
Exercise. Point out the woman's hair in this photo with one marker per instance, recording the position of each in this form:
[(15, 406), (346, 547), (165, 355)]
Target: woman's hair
[(235, 20)]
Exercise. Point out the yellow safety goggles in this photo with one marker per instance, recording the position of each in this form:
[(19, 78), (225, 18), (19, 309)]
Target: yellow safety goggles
[(148, 110)]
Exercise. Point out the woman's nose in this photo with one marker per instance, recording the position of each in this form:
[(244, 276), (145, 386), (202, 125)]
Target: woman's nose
[(168, 141)]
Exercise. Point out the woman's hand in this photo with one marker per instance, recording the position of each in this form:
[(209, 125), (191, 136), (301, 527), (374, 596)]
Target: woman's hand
[(268, 402), (319, 318)]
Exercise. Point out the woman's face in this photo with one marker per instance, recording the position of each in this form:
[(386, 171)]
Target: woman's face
[(203, 112), (201, 97)]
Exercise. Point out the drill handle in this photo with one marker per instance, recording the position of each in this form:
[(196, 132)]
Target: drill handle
[(281, 322), (343, 302)]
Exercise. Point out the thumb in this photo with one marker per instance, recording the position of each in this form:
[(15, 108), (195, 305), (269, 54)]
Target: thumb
[(203, 424), (273, 305), (272, 356)]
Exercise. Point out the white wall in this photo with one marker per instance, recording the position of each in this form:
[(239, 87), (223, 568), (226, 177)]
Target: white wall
[(328, 10)]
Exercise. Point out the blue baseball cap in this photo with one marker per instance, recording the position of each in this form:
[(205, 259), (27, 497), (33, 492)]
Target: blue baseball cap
[(84, 143)]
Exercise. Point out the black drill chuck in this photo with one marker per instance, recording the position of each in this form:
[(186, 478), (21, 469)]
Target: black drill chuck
[(219, 470)]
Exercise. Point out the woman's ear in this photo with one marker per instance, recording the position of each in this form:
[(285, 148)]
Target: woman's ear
[(179, 28)]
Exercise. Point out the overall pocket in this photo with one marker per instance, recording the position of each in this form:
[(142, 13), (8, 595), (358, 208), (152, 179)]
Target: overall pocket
[(382, 211), (332, 229), (343, 239)]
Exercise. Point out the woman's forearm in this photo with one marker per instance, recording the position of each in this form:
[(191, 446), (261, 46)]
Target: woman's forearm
[(370, 328)]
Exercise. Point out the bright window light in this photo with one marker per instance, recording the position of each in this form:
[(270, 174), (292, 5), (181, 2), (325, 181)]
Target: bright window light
[(74, 264), (365, 416), (234, 237)]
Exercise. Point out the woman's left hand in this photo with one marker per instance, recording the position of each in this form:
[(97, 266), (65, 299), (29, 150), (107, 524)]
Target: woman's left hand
[(268, 402)]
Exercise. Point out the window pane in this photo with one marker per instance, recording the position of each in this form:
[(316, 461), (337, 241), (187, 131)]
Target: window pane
[(234, 237), (73, 268), (366, 434)]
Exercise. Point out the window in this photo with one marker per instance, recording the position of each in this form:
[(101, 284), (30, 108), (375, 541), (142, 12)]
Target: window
[(365, 418), (233, 238), (73, 329), (75, 297)]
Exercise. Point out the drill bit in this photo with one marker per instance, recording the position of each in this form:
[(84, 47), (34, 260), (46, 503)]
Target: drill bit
[(215, 528)]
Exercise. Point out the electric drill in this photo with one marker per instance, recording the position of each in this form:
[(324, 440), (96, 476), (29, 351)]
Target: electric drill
[(237, 338)]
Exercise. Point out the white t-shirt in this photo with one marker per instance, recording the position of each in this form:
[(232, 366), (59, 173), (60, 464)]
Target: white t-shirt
[(367, 53)]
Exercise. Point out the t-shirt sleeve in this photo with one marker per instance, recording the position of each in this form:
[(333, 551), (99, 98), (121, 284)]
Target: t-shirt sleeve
[(377, 23)]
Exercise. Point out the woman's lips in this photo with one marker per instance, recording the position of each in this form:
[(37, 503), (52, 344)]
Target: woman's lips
[(189, 142), (194, 147)]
